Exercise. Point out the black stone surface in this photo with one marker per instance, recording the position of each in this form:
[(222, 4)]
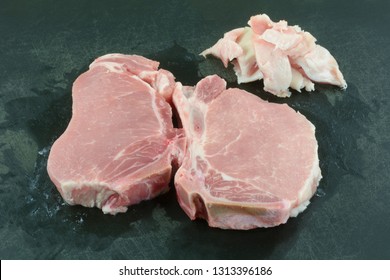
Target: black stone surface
[(45, 45)]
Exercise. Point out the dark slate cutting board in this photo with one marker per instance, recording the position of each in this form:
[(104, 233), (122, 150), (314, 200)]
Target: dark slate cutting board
[(46, 44)]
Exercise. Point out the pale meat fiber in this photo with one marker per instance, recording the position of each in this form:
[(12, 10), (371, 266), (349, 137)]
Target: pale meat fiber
[(248, 163), (283, 56), (119, 146)]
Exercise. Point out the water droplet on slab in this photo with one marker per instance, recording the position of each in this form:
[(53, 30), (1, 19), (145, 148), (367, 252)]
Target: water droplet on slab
[(320, 192)]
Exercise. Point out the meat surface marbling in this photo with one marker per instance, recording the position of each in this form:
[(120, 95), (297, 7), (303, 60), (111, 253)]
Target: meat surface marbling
[(119, 146), (248, 163)]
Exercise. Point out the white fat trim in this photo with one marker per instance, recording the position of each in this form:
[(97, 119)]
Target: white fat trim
[(164, 82), (160, 77), (247, 79), (112, 55), (146, 73), (108, 209), (299, 209), (309, 86), (103, 192), (313, 178), (112, 67), (152, 91), (157, 113)]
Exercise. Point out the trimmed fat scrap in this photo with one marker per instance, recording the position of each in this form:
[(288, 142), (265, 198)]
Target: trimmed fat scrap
[(283, 56), (119, 146), (248, 163)]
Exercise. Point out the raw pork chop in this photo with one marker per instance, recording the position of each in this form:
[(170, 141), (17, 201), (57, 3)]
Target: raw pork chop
[(284, 56), (248, 163), (120, 142)]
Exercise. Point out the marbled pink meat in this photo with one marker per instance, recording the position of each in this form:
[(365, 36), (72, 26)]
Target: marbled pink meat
[(248, 163), (119, 146)]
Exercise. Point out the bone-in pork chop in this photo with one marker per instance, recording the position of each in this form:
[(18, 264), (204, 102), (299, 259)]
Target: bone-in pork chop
[(119, 146), (248, 163)]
